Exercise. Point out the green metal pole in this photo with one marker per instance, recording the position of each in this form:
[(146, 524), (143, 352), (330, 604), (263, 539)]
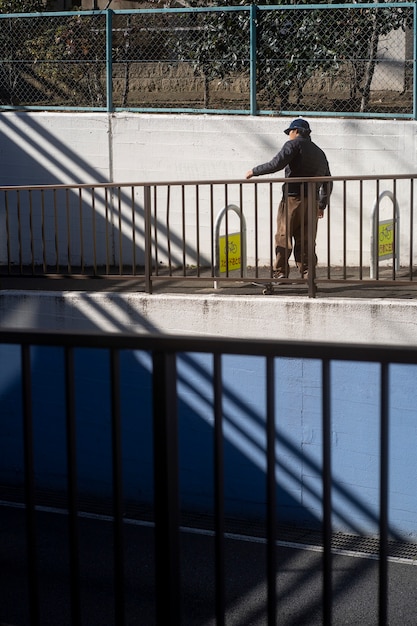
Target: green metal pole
[(109, 68), (252, 44)]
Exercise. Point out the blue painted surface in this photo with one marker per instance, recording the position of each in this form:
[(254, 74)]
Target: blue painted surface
[(355, 398)]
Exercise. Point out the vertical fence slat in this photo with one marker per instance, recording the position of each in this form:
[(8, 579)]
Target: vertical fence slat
[(219, 490), (165, 433), (118, 549), (29, 487), (383, 495), (270, 492), (327, 496), (73, 530)]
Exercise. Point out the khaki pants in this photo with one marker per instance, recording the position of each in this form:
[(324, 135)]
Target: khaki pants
[(292, 227)]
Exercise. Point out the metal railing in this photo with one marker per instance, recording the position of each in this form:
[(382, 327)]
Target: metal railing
[(164, 352), (317, 59), (169, 231)]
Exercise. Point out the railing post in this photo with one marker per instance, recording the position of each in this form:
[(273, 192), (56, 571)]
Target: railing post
[(148, 239), (109, 62), (312, 231), (165, 435)]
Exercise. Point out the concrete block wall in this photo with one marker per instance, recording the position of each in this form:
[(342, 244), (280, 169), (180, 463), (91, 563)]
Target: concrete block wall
[(51, 148)]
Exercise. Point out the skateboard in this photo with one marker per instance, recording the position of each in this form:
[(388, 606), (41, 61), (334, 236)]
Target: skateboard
[(268, 288)]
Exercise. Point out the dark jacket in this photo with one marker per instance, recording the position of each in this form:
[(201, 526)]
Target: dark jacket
[(301, 158)]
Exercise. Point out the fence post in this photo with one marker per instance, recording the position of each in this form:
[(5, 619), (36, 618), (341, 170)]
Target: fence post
[(109, 65), (253, 55)]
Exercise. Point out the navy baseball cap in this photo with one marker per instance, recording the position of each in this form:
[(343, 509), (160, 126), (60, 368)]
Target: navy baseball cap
[(298, 123)]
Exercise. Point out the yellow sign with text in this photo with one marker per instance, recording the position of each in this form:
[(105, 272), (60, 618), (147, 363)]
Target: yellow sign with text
[(386, 239), (230, 252)]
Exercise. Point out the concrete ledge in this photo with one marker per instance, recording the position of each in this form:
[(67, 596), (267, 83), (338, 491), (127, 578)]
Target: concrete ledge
[(376, 321)]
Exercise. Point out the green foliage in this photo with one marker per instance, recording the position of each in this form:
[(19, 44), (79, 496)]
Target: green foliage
[(292, 44), (22, 6)]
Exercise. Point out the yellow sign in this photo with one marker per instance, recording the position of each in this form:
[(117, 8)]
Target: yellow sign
[(386, 239), (232, 257)]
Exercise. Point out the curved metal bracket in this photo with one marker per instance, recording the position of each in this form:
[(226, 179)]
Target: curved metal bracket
[(374, 232), (243, 249)]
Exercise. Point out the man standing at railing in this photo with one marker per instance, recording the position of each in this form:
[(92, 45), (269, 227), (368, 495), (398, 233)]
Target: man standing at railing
[(301, 158)]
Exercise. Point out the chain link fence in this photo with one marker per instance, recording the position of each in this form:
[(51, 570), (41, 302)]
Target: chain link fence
[(357, 59)]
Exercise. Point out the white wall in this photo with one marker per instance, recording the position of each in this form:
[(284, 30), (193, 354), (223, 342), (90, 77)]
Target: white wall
[(49, 148)]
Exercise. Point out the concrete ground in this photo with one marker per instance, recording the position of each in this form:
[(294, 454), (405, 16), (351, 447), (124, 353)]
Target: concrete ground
[(299, 580), (349, 283)]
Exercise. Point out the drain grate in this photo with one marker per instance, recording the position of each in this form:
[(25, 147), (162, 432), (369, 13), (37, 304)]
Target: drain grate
[(343, 542)]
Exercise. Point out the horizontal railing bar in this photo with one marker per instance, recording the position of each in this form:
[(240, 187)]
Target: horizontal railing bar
[(214, 345), (203, 183)]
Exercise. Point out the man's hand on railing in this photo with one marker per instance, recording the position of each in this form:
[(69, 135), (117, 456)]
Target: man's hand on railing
[(249, 174)]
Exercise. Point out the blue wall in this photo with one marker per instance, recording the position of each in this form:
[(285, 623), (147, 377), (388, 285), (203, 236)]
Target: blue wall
[(355, 397)]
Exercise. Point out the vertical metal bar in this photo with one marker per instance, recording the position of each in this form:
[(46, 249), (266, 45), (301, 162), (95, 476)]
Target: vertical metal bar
[(197, 226), (167, 551), (411, 229), (132, 199), (168, 215), (311, 237), (255, 216), (383, 497), (376, 230), (120, 229), (270, 492), (285, 198), (344, 230), (109, 57), (19, 223), (212, 243), (226, 229), (155, 221), (9, 258), (72, 489), (29, 487), (32, 244), (184, 240), (56, 231), (303, 209), (327, 496), (395, 217), (252, 58), (272, 227), (329, 228), (43, 231), (80, 214), (94, 220), (415, 61), (118, 549), (148, 238), (361, 229), (243, 257), (67, 209), (219, 490), (108, 213)]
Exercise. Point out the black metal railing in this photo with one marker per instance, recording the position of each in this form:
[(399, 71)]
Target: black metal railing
[(164, 352), (207, 232)]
